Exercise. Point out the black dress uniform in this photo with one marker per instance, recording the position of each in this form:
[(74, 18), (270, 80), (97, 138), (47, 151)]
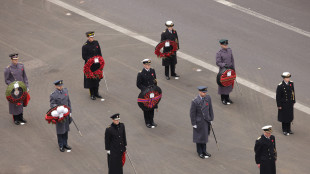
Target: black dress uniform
[(286, 99), (266, 154), (89, 50), (115, 144), (145, 79), (61, 97), (172, 60)]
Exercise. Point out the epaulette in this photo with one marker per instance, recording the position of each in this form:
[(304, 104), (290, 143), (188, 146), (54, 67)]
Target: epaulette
[(85, 43), (280, 83), (259, 138), (140, 71), (8, 66), (164, 31), (109, 126), (291, 81)]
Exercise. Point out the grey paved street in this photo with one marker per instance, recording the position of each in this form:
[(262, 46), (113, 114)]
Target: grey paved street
[(49, 44)]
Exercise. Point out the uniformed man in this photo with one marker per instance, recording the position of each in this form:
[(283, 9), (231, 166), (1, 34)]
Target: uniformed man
[(16, 72), (61, 97), (265, 152), (146, 78), (201, 114), (90, 49), (285, 101), (115, 144), (225, 59), (170, 34)]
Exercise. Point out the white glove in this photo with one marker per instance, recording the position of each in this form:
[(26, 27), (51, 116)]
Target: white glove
[(70, 115), (109, 152), (27, 89), (195, 126), (211, 122)]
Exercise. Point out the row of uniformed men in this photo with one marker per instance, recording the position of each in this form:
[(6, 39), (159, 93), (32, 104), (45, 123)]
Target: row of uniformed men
[(201, 121)]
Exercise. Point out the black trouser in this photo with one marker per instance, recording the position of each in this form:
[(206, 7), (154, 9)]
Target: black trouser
[(62, 139), (224, 97), (18, 117), (286, 127), (201, 148), (94, 91), (172, 66), (149, 116)]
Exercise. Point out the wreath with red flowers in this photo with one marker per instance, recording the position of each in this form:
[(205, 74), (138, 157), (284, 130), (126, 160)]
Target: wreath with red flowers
[(98, 74), (167, 54), (149, 98), (16, 92), (57, 114)]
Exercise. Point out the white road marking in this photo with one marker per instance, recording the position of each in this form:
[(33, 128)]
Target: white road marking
[(263, 17), (182, 55)]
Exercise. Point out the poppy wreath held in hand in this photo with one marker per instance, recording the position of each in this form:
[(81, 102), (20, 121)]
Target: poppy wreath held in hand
[(57, 114), (16, 92), (98, 74), (167, 54)]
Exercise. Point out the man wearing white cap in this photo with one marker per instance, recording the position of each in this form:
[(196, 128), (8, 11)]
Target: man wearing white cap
[(265, 152), (146, 78), (285, 101), (170, 34)]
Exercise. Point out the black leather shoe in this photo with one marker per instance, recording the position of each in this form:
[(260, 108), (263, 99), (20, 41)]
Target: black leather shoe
[(167, 77), (201, 156), (17, 122), (224, 102), (62, 149), (207, 155), (98, 96), (23, 121), (67, 147), (176, 75), (230, 101), (291, 132), (149, 125), (93, 97), (154, 124)]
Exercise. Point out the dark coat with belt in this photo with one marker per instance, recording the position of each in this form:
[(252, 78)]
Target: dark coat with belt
[(286, 99), (146, 78), (115, 142), (225, 58), (266, 154), (173, 36), (201, 114), (15, 73), (61, 98), (89, 50)]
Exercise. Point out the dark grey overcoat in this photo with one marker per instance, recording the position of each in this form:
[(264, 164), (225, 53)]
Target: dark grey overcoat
[(61, 98), (15, 73), (225, 58), (201, 114)]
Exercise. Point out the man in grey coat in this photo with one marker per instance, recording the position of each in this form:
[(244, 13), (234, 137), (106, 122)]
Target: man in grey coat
[(201, 114), (225, 59), (16, 72), (61, 97)]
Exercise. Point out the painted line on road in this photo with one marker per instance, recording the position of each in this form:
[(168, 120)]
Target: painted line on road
[(182, 55), (263, 17)]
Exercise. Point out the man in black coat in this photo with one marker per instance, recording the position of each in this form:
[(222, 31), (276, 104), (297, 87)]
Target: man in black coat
[(90, 49), (170, 34), (265, 152), (146, 78), (115, 144), (285, 101)]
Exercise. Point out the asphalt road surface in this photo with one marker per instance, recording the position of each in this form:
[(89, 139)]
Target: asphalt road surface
[(49, 42)]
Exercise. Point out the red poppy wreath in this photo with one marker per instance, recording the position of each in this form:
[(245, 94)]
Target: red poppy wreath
[(167, 54), (98, 74)]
